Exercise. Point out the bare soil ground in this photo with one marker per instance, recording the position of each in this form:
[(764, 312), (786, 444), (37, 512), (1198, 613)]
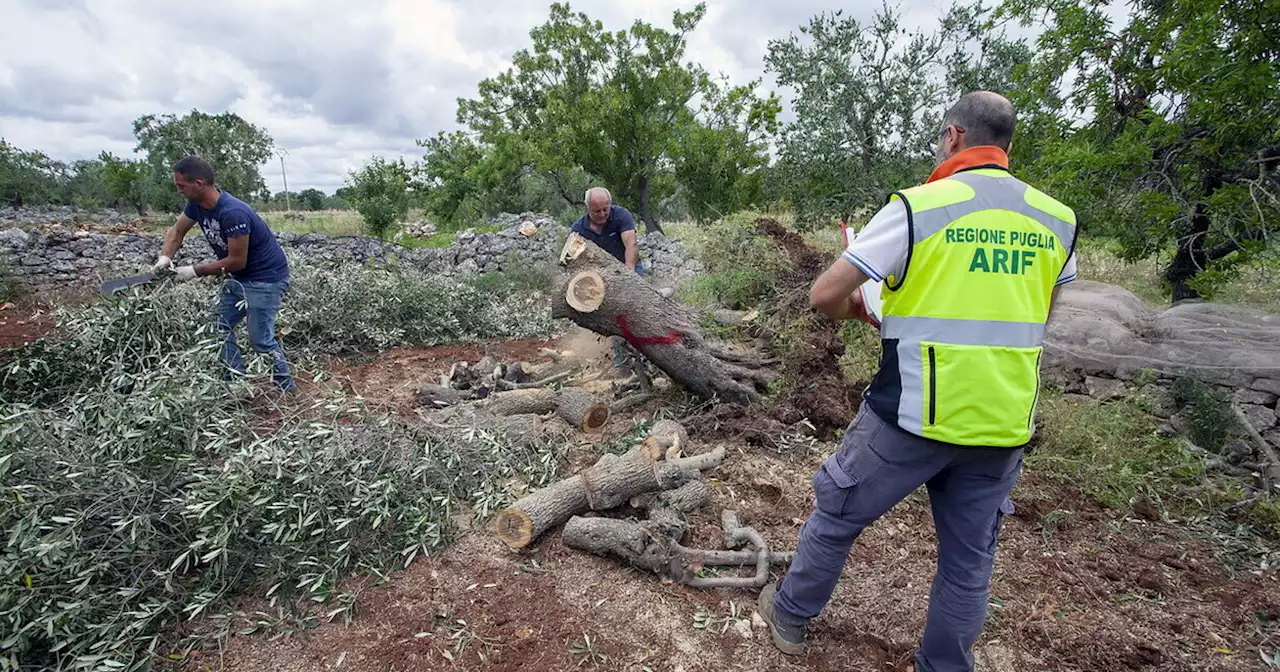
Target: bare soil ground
[(24, 321), (1077, 587)]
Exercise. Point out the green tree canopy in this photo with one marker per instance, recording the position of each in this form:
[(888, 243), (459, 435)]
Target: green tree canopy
[(311, 199), (613, 104), (1174, 114), (29, 177), (127, 180), (868, 104), (236, 148), (380, 193), (720, 160)]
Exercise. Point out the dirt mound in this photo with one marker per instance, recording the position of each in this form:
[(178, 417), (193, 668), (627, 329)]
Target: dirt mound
[(820, 394)]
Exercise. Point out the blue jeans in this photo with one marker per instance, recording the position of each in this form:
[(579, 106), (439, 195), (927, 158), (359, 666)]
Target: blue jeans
[(878, 465), (260, 301)]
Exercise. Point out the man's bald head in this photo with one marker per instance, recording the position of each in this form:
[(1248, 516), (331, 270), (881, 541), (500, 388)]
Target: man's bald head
[(599, 195), (987, 119)]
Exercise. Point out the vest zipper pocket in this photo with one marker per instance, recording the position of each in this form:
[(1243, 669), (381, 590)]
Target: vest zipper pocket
[(933, 385)]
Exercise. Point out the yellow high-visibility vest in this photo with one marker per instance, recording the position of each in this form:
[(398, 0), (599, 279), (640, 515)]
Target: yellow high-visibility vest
[(964, 322)]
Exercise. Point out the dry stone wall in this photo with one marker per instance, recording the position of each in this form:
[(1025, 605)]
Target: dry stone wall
[(49, 247)]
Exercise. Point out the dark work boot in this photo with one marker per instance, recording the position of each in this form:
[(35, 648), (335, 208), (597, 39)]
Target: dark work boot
[(788, 638)]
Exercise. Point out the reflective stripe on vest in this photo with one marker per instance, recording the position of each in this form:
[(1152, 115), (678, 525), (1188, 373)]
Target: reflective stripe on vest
[(963, 326)]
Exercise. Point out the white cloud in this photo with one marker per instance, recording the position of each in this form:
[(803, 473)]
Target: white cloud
[(332, 81)]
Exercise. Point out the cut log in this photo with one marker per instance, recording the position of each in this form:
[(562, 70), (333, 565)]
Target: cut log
[(608, 483), (737, 534), (581, 409), (529, 385), (538, 401), (517, 425), (437, 396), (667, 440), (663, 331), (585, 291), (688, 497), (698, 557), (629, 402)]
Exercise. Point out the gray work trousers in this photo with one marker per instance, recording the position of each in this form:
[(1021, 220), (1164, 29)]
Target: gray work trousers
[(879, 465)]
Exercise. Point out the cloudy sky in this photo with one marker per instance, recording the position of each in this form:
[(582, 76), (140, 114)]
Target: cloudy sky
[(332, 81)]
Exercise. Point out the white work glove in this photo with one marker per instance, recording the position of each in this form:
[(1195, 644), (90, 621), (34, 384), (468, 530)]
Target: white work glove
[(186, 273), (162, 263)]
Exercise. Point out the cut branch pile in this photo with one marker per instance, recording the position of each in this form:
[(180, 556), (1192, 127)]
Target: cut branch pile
[(599, 293), (653, 477)]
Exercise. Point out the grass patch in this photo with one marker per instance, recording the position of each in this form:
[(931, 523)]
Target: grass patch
[(10, 288), (1208, 412), (446, 238), (1100, 261), (862, 350), (332, 222), (519, 276), (1112, 453), (742, 266)]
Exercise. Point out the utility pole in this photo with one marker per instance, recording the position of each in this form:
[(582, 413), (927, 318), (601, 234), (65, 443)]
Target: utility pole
[(283, 153)]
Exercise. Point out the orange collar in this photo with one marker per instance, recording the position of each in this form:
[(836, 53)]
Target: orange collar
[(985, 155)]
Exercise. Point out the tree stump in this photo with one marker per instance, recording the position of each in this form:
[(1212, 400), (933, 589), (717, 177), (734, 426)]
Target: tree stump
[(663, 331)]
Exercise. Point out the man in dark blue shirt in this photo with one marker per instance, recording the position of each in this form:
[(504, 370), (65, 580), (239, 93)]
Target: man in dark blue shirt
[(246, 250), (609, 226)]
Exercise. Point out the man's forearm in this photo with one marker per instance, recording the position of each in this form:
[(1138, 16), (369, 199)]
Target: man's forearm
[(221, 267), (632, 257), (172, 241)]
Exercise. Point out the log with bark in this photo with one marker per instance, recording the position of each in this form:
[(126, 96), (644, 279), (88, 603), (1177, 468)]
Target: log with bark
[(539, 401), (581, 409), (612, 481), (654, 544), (607, 484), (578, 407), (599, 293)]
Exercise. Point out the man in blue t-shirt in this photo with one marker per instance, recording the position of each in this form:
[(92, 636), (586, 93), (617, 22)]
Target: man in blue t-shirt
[(610, 227), (247, 251)]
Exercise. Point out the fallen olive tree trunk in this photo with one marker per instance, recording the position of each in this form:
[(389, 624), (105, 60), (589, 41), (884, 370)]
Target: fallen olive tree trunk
[(599, 293), (612, 481)]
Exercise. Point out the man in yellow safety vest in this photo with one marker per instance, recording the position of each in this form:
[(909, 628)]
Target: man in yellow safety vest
[(971, 262)]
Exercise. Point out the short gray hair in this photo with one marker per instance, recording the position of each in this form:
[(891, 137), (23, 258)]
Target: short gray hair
[(599, 192), (987, 119)]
